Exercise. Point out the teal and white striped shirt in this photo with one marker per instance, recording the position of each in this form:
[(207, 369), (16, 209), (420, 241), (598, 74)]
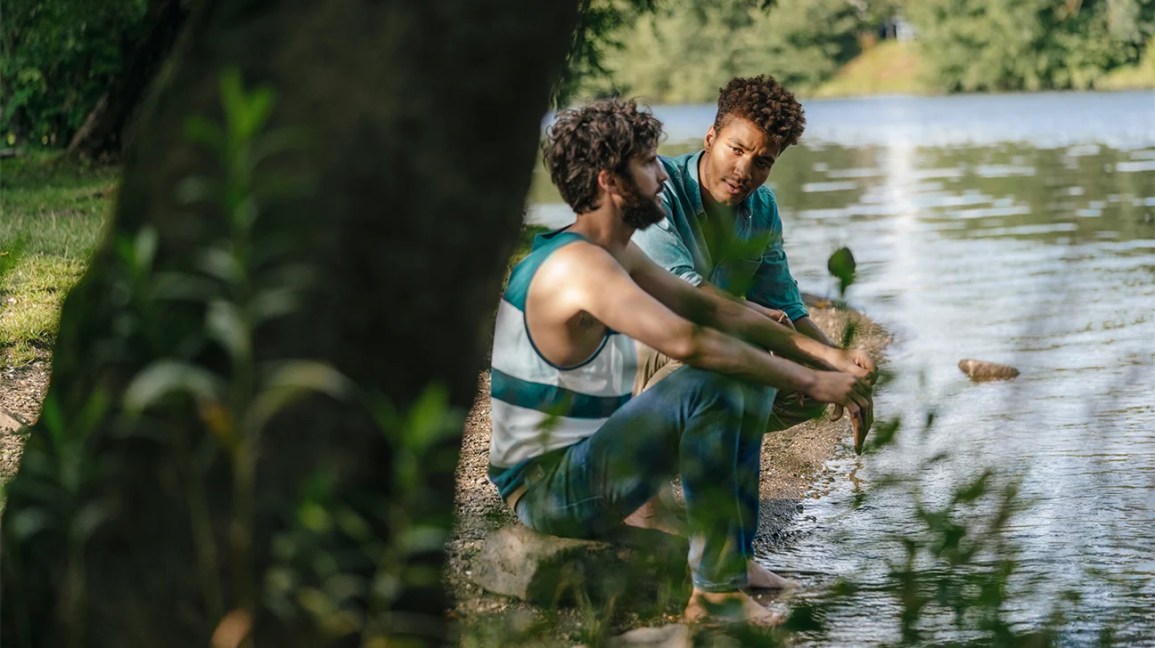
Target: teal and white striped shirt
[(539, 406)]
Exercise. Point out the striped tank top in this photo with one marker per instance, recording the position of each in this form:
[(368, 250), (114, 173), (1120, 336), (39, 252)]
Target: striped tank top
[(538, 406)]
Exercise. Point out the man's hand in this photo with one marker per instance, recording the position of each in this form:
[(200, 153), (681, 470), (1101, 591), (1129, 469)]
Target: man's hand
[(857, 363), (845, 391)]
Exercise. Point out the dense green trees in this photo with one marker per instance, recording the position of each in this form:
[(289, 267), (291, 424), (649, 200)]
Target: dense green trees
[(684, 49), (60, 60), (985, 45), (57, 59)]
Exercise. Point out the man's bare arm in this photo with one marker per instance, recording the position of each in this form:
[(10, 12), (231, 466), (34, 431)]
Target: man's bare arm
[(773, 313), (605, 290), (807, 327), (731, 316)]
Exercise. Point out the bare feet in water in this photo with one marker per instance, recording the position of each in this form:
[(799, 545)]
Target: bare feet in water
[(656, 514), (728, 607), (758, 577)]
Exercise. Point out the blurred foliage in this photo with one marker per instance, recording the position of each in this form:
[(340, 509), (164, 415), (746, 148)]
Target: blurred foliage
[(56, 60), (684, 50), (599, 23), (680, 51), (987, 45)]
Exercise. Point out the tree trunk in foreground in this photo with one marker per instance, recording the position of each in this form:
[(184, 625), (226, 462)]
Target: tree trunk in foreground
[(365, 226)]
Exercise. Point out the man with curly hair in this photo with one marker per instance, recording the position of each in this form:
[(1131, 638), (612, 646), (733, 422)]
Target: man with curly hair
[(723, 234), (574, 452)]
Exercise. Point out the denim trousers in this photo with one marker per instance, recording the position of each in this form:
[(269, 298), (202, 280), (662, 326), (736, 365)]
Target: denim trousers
[(701, 425)]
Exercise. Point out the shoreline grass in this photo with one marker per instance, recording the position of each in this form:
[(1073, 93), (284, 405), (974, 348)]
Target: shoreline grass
[(885, 68)]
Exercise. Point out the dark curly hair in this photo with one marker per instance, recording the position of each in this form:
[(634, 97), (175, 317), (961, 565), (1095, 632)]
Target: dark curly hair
[(764, 102), (605, 134)]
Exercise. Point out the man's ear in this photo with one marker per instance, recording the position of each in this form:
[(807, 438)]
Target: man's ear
[(711, 137), (608, 182)]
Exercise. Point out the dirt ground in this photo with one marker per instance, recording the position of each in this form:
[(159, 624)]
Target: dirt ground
[(793, 465), (22, 391)]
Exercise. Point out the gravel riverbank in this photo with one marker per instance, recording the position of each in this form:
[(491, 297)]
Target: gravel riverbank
[(794, 464)]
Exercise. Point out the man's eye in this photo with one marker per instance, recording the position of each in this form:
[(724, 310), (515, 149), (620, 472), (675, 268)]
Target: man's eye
[(764, 164), (736, 150)]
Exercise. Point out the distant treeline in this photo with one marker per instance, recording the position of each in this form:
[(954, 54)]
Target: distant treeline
[(69, 66), (677, 51)]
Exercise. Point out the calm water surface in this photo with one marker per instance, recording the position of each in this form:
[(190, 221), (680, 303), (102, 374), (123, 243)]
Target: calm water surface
[(1012, 228)]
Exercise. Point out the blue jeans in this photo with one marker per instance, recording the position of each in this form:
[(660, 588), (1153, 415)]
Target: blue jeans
[(701, 425)]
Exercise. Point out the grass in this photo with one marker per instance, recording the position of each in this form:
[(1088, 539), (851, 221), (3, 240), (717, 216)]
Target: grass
[(887, 67), (1140, 76), (53, 211)]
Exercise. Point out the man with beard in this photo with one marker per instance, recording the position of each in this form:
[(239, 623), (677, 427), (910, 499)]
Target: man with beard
[(573, 452), (723, 233)]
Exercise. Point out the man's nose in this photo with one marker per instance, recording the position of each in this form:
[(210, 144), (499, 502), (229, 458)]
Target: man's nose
[(742, 168)]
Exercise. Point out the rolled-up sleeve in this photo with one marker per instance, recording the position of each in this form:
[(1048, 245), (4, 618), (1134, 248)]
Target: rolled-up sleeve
[(663, 245)]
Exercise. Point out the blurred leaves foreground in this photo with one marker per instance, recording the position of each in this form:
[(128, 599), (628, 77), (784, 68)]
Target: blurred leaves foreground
[(233, 450)]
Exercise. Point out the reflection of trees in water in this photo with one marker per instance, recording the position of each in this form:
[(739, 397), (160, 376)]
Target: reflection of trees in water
[(1004, 186)]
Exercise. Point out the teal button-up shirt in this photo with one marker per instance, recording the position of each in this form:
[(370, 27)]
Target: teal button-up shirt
[(745, 257)]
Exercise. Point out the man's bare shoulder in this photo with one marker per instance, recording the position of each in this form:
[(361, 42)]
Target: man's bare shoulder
[(579, 263)]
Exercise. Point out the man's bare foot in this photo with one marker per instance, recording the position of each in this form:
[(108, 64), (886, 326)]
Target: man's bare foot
[(728, 607), (758, 577), (654, 514)]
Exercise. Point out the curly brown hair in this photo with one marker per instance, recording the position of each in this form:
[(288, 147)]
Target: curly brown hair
[(764, 102), (605, 134)]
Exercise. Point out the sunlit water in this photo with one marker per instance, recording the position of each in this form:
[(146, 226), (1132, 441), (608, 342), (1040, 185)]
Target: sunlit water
[(1012, 228)]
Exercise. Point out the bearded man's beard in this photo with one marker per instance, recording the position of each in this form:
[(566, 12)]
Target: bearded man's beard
[(640, 211)]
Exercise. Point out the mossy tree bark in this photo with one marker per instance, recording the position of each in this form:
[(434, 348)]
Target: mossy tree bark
[(415, 126)]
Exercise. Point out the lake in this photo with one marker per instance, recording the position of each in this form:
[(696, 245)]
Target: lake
[(1013, 228)]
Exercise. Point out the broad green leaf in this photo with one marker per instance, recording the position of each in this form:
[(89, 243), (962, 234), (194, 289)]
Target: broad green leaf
[(165, 377), (202, 130), (227, 325), (197, 189)]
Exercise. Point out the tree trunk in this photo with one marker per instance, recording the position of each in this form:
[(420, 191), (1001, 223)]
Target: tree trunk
[(103, 132), (409, 131)]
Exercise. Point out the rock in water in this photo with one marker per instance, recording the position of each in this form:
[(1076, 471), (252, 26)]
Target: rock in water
[(979, 370)]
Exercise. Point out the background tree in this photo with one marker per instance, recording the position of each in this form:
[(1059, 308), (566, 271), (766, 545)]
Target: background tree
[(984, 45), (334, 215), (56, 60), (684, 50), (102, 133)]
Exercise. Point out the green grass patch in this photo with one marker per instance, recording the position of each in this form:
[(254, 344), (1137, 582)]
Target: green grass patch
[(53, 213), (1140, 76), (888, 67)]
